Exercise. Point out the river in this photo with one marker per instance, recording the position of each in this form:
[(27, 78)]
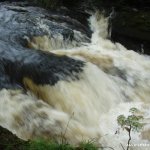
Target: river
[(57, 82)]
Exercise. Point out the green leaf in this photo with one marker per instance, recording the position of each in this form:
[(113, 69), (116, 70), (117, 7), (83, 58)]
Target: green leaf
[(133, 110), (121, 120)]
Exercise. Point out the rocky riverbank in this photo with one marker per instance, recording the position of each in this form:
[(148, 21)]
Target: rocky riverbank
[(130, 23)]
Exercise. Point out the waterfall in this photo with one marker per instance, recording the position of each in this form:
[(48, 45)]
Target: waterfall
[(112, 81)]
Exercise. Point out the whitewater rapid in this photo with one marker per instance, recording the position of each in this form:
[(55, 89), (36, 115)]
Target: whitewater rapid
[(113, 80)]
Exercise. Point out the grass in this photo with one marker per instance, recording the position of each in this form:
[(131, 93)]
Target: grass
[(47, 145), (41, 144)]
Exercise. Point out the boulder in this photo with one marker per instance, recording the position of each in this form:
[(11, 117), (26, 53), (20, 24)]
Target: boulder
[(10, 141)]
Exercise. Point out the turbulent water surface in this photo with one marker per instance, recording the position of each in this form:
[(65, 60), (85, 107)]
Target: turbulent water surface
[(83, 104)]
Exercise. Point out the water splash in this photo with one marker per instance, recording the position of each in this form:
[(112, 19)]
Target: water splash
[(56, 40)]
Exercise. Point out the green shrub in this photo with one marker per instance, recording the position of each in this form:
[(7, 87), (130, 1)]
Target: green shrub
[(42, 144), (47, 145)]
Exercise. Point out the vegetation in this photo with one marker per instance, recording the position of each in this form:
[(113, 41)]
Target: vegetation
[(41, 144), (11, 142), (46, 145), (131, 123)]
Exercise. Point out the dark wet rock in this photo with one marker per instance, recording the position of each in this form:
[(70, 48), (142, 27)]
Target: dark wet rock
[(119, 4), (43, 68), (10, 142), (130, 22), (131, 27), (17, 25), (17, 22)]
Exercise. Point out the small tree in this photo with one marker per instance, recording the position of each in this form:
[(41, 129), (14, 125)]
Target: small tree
[(131, 123)]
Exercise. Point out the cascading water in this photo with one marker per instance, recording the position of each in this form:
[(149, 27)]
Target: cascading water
[(129, 83), (113, 80)]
